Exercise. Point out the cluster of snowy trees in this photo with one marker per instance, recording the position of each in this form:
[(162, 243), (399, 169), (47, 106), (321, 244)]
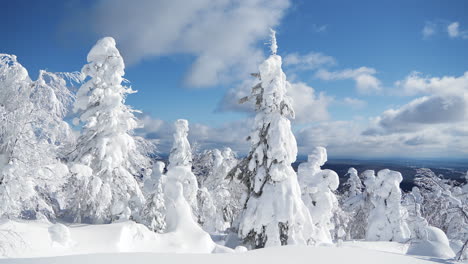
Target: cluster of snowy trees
[(105, 174)]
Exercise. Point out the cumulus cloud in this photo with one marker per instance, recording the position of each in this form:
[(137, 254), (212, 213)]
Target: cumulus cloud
[(308, 105), (347, 139), (364, 77), (445, 104), (416, 83), (421, 112), (221, 35), (309, 61)]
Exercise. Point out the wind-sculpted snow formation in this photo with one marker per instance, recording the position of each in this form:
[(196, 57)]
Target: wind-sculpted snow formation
[(180, 164), (386, 220), (317, 192)]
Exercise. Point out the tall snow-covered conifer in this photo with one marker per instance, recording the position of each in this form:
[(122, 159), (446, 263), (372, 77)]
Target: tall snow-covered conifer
[(274, 212), (110, 191)]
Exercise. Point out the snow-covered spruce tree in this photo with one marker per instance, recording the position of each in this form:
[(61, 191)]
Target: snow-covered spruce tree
[(30, 113), (225, 197), (317, 188), (386, 220), (274, 213), (154, 211), (109, 190), (180, 164)]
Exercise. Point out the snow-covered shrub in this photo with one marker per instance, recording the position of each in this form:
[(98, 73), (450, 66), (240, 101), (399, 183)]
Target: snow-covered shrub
[(436, 245), (444, 206), (106, 144), (60, 234), (386, 220), (274, 213), (317, 188), (180, 164)]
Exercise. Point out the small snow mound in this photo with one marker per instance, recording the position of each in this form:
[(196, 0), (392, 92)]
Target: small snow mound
[(437, 245), (60, 234), (241, 249)]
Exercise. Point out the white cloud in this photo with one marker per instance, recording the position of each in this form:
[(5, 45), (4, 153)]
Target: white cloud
[(308, 105), (310, 61), (422, 112), (347, 139), (319, 28), (429, 29), (416, 83), (364, 77), (221, 35), (452, 29)]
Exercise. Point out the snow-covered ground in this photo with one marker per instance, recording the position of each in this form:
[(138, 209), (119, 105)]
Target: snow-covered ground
[(125, 242)]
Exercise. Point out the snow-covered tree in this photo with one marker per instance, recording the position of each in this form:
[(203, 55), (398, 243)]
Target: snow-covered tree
[(32, 131), (317, 188), (180, 164), (416, 223), (274, 213), (386, 220), (353, 186), (106, 145), (223, 196), (442, 207), (355, 202), (153, 213)]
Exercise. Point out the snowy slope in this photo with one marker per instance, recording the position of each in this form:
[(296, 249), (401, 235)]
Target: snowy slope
[(125, 242), (286, 254), (43, 239)]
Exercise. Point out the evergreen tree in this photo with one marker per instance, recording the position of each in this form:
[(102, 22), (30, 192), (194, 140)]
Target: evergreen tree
[(274, 213), (106, 145)]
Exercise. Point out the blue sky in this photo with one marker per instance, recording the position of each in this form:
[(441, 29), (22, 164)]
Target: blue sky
[(187, 59)]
